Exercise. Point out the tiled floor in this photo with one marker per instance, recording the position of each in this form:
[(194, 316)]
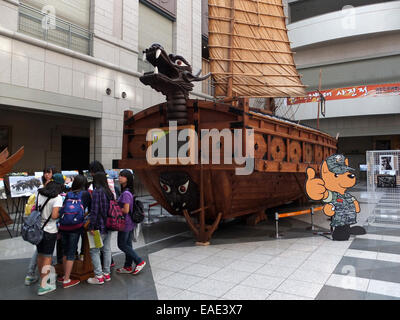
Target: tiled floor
[(243, 262), (370, 267)]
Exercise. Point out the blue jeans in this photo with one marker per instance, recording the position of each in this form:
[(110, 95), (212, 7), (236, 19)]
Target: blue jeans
[(125, 245), (33, 264), (95, 255), (70, 244)]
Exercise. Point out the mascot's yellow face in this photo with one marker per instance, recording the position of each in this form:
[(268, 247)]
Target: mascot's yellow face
[(337, 182)]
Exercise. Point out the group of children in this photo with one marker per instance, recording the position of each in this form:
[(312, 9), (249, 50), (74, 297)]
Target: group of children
[(95, 199)]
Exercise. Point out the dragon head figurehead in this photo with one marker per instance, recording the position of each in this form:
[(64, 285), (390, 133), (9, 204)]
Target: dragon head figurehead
[(172, 73)]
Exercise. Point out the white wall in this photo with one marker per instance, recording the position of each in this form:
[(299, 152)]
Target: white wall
[(351, 50), (359, 21), (121, 51), (359, 126), (9, 14), (367, 106)]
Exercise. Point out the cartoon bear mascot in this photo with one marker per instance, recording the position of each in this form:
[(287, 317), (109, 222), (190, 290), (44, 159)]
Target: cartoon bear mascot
[(337, 177)]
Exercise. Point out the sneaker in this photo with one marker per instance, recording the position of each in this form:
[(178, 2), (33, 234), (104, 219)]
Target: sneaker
[(96, 280), (107, 277), (70, 283), (139, 267), (60, 279), (31, 279), (112, 264), (125, 270), (45, 290)]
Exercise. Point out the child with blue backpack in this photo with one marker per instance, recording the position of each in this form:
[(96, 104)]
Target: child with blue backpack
[(72, 218)]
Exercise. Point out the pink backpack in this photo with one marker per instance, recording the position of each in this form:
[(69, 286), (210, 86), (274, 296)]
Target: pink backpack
[(115, 218)]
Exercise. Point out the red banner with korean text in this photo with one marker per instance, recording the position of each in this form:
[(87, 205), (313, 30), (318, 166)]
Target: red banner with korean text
[(349, 93)]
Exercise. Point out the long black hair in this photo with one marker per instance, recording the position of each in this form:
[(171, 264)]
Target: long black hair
[(96, 166), (100, 182), (51, 190), (49, 169), (79, 183), (129, 185)]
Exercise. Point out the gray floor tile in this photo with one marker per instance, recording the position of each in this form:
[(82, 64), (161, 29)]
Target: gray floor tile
[(386, 271), (383, 231), (370, 269), (362, 268), (333, 293), (372, 296), (376, 245)]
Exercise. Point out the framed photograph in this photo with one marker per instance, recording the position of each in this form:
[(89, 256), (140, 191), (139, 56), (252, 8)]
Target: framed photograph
[(5, 138), (112, 174), (3, 195), (69, 177), (386, 164), (23, 186), (385, 181), (70, 173)]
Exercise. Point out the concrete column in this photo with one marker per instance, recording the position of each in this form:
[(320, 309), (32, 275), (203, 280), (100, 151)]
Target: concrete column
[(187, 33), (107, 142)]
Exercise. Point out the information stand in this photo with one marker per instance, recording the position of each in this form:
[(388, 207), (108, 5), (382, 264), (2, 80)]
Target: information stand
[(82, 270)]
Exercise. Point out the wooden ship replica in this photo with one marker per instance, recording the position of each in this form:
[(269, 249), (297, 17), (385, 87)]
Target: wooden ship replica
[(250, 56), (6, 165)]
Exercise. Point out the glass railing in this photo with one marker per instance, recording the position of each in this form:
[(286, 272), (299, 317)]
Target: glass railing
[(55, 30)]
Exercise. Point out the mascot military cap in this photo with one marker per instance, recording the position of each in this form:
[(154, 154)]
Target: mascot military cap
[(337, 165)]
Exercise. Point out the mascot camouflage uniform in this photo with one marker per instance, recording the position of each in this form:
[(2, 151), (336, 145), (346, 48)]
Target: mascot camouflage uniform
[(336, 178)]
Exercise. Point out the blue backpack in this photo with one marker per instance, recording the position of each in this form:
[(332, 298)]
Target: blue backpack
[(72, 213)]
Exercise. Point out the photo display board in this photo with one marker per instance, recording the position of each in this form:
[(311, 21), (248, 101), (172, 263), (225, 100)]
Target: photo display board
[(387, 165), (23, 186), (3, 194)]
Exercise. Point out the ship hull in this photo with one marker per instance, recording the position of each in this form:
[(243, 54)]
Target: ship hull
[(7, 163), (282, 152)]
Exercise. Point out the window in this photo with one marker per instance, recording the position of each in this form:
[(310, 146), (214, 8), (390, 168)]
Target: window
[(57, 24), (153, 28), (166, 6), (74, 11)]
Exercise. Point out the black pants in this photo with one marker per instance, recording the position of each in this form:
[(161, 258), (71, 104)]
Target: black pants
[(60, 252)]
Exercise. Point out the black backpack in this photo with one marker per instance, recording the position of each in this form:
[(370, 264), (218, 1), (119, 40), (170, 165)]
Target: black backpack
[(137, 213)]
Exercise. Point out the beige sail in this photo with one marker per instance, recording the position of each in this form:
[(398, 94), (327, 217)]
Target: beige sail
[(250, 53)]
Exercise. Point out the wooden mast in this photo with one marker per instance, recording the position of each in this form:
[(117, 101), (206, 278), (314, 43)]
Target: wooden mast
[(230, 71)]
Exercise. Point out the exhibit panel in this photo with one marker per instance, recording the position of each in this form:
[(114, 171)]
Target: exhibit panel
[(383, 179)]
